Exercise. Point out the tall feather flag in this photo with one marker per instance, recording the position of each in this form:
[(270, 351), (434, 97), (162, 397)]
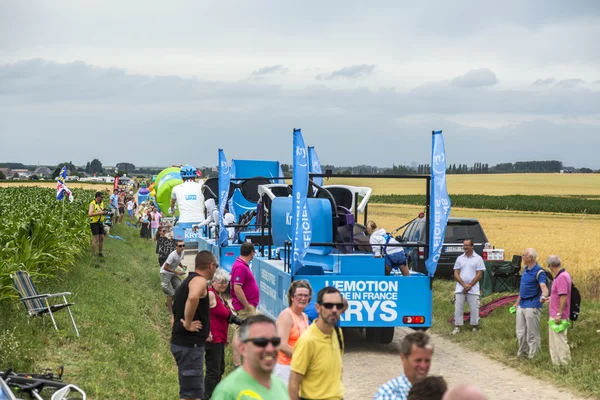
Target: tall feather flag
[(314, 165), (61, 186), (301, 225), (439, 202), (224, 179)]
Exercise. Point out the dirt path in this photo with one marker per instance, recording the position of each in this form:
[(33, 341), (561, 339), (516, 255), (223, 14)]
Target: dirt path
[(367, 366)]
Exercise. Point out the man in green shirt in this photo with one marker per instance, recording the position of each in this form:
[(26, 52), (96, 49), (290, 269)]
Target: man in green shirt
[(258, 345)]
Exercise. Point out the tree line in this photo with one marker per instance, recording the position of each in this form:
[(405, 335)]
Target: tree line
[(125, 168)]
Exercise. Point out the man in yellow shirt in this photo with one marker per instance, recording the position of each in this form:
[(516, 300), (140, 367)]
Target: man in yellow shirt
[(316, 368)]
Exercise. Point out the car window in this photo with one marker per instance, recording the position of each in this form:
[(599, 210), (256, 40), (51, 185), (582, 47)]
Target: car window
[(418, 233), (407, 232), (458, 232)]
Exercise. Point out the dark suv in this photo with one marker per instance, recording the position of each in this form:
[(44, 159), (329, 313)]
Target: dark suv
[(457, 230)]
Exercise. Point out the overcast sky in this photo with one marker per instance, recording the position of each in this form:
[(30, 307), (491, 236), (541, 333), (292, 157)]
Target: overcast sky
[(159, 83)]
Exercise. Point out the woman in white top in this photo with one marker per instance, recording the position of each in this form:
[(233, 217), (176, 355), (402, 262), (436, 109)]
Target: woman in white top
[(395, 256)]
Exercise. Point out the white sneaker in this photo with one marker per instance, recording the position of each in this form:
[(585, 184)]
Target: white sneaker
[(456, 331)]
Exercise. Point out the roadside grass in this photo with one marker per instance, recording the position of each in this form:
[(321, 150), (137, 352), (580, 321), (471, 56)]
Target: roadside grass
[(497, 340), (123, 351)]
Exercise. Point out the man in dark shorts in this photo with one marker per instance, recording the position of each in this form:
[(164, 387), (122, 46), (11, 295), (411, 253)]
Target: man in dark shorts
[(191, 310), (96, 213)]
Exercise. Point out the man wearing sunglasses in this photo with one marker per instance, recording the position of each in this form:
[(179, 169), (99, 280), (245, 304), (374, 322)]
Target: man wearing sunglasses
[(316, 369), (191, 327), (258, 345)]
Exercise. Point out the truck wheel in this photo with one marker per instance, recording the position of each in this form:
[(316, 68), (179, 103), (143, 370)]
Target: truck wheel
[(380, 335)]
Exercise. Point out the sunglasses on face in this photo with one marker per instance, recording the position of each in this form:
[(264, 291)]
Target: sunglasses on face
[(181, 245), (263, 342), (329, 306)]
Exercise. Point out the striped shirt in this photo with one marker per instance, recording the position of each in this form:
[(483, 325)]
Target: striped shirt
[(396, 389)]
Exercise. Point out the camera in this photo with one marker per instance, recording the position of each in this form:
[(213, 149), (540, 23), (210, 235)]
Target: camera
[(110, 213), (234, 319)]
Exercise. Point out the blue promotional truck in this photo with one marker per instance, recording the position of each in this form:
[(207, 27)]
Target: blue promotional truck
[(318, 238), (310, 231)]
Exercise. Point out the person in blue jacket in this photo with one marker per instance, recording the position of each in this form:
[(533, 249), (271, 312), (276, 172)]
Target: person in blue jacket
[(532, 294)]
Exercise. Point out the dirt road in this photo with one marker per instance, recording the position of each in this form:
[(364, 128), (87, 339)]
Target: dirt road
[(367, 366)]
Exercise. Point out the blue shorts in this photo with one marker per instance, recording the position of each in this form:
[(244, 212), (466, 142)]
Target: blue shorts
[(396, 259), (130, 212), (190, 365)]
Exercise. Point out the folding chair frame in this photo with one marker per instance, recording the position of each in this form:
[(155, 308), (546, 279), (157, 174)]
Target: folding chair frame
[(34, 305)]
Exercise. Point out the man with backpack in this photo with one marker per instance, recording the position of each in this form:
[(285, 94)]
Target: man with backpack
[(532, 293), (560, 307)]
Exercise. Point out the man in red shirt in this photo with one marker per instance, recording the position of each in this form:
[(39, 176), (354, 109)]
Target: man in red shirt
[(244, 291)]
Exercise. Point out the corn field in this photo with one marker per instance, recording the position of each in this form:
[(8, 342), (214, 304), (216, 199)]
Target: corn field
[(38, 235)]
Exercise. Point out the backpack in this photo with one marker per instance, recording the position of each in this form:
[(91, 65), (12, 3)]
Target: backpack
[(575, 300), (388, 237)]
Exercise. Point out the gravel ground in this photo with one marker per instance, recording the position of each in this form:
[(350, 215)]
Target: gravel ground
[(367, 366)]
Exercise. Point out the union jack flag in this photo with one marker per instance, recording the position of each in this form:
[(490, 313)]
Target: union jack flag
[(61, 187)]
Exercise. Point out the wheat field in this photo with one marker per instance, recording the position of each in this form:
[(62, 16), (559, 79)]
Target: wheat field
[(573, 237), (490, 184)]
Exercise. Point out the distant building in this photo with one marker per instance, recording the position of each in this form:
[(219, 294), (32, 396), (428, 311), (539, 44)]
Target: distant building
[(42, 171)]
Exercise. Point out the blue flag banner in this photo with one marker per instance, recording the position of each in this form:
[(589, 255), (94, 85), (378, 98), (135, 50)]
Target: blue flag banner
[(314, 165), (224, 179), (232, 208), (301, 224), (61, 187), (439, 204)]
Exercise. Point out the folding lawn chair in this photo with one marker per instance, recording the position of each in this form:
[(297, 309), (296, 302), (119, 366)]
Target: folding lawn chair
[(33, 300), (505, 277)]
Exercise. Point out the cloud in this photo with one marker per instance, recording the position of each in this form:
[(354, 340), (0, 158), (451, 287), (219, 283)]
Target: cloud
[(475, 78), (569, 83), (544, 82), (268, 70), (351, 72), (49, 109)]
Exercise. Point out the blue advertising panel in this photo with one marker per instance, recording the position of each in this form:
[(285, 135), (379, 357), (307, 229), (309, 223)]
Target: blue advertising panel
[(255, 168), (273, 284), (249, 169), (225, 255), (301, 221), (377, 301), (224, 179), (282, 221), (183, 231), (373, 301), (440, 202)]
